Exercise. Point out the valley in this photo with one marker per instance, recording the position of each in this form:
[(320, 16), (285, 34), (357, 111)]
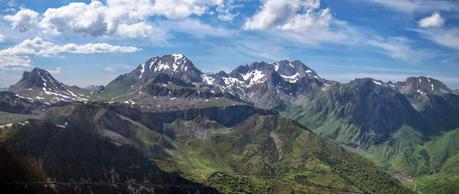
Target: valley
[(167, 127)]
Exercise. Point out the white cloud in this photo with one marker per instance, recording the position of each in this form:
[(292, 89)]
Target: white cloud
[(225, 11), (296, 15), (23, 20), (81, 18), (2, 38), (122, 18), (400, 48), (300, 21), (176, 9), (20, 56), (444, 37), (418, 5), (435, 20), (142, 30)]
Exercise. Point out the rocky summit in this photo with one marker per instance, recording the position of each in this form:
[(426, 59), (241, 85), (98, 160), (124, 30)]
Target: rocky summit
[(265, 127)]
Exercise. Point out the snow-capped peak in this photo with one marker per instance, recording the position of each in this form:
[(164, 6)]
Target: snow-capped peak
[(254, 77)]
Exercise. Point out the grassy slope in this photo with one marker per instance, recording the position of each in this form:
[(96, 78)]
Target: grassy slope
[(267, 154), (263, 154), (433, 162)]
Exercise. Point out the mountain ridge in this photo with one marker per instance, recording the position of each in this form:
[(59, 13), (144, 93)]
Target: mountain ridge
[(386, 122)]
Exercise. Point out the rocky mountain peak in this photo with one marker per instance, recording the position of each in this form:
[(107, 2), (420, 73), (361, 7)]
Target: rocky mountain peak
[(291, 71), (422, 85), (368, 82), (39, 84), (37, 79), (174, 65)]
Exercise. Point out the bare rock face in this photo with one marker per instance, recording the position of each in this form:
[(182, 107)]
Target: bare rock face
[(40, 85), (422, 85), (175, 66), (13, 103), (36, 80)]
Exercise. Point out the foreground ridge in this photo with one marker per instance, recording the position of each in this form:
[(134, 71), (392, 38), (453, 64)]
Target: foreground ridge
[(261, 128)]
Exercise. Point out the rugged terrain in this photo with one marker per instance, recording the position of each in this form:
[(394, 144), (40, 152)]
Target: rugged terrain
[(262, 128)]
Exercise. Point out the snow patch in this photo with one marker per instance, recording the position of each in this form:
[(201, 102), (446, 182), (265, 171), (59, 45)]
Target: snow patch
[(24, 123), (377, 82), (142, 69), (276, 66), (292, 79), (8, 125), (208, 79), (254, 77)]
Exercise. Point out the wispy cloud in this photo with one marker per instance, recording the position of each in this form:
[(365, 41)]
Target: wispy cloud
[(196, 28), (418, 5), (445, 37), (400, 49)]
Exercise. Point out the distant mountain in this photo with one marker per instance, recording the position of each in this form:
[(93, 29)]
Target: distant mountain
[(422, 85), (402, 127), (270, 85), (95, 88), (175, 66), (40, 85), (360, 113), (438, 104), (209, 126)]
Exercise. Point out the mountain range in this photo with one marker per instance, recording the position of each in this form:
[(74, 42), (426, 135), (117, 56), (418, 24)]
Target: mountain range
[(262, 128)]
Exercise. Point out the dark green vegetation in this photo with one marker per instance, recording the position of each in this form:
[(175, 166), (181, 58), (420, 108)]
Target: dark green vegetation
[(167, 127), (254, 152), (412, 135)]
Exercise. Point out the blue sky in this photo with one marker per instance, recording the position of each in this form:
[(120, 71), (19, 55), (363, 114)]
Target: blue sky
[(91, 42)]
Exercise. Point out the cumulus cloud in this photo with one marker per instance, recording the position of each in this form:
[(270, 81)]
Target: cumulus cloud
[(20, 56), (23, 20), (300, 21), (123, 18), (435, 20), (77, 17), (289, 15)]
